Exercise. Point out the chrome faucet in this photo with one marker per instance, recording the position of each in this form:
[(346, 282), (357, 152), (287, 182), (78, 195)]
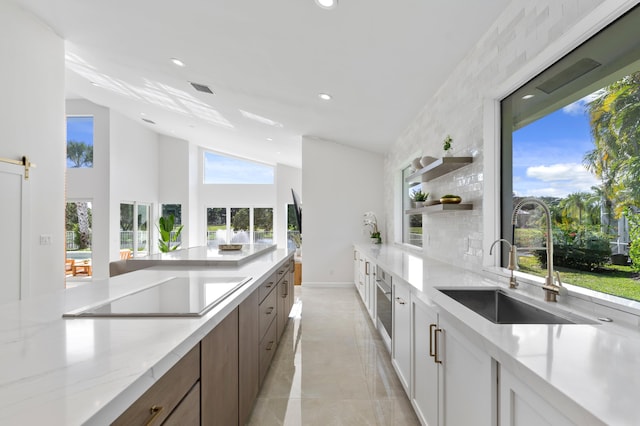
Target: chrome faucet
[(551, 290), (513, 260)]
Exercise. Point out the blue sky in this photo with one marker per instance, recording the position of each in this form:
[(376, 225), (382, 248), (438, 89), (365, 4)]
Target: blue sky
[(220, 169), (548, 153), (79, 129)]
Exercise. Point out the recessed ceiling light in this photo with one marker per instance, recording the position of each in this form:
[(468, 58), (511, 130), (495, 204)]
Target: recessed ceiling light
[(270, 139), (177, 62), (327, 4), (525, 97), (95, 84), (324, 96)]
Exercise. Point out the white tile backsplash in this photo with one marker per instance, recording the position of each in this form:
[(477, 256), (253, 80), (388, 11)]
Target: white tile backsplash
[(523, 30)]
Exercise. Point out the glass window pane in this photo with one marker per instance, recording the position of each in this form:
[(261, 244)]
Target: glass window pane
[(240, 225), (79, 142), (411, 224), (126, 226), (576, 147), (216, 226), (220, 169), (144, 213), (263, 225)]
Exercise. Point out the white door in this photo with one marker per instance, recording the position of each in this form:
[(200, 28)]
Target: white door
[(13, 219)]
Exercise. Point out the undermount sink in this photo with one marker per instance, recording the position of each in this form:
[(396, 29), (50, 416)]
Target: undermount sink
[(500, 308)]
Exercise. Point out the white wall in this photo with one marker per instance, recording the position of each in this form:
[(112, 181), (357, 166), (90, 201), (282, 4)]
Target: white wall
[(133, 174), (174, 184), (32, 124), (339, 184), (526, 38)]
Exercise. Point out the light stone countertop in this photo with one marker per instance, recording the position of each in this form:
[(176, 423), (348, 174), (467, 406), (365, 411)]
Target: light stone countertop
[(57, 371), (206, 256), (589, 371)]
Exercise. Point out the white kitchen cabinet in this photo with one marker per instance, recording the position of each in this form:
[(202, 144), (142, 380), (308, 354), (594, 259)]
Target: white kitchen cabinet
[(452, 379), (425, 372), (401, 343), (521, 406), (364, 273)]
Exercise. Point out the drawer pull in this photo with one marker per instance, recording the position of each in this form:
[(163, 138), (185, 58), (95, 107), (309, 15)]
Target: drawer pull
[(270, 310), (155, 411), (435, 344), (269, 285), (269, 345), (400, 301), (431, 351)]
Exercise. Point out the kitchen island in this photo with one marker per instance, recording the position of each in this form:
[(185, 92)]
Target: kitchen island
[(61, 371)]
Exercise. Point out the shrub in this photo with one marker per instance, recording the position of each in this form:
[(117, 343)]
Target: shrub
[(634, 236), (580, 249)]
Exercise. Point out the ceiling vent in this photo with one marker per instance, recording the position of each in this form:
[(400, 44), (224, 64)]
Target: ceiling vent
[(146, 120), (566, 76), (202, 88)]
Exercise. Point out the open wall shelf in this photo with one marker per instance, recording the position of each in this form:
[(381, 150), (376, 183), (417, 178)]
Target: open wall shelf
[(439, 208), (438, 168)]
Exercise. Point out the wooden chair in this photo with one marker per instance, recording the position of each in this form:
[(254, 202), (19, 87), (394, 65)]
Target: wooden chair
[(69, 267)]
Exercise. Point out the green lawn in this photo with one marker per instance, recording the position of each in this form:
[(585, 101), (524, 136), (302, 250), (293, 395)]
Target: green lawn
[(612, 279)]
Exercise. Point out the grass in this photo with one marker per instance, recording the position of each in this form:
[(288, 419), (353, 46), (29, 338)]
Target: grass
[(612, 279)]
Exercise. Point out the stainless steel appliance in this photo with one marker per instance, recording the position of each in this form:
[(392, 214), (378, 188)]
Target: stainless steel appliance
[(384, 303)]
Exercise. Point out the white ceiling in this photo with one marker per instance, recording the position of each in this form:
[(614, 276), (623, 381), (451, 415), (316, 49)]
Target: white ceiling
[(380, 60)]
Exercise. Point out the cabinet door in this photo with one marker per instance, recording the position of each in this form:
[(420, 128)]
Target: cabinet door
[(248, 352), (424, 374), (361, 278), (401, 342), (188, 412), (219, 373), (467, 379), (521, 406), (356, 267), (371, 290)]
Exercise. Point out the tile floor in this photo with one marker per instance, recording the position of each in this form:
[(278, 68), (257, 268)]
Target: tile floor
[(331, 368)]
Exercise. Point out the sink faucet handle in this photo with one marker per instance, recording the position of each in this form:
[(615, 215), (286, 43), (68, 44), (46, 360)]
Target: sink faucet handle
[(558, 279)]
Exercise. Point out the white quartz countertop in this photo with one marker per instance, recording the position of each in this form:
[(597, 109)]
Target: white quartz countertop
[(206, 256), (57, 371), (590, 371)]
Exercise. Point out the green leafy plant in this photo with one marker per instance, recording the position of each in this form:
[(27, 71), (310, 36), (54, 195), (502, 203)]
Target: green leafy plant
[(634, 236), (446, 144), (165, 227), (419, 196)]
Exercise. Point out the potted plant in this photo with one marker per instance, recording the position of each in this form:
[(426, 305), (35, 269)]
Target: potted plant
[(447, 147), (371, 222), (165, 227), (419, 198)]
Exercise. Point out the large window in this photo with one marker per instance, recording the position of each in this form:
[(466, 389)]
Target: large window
[(220, 169), (135, 229), (239, 225), (412, 223), (571, 138), (79, 142)]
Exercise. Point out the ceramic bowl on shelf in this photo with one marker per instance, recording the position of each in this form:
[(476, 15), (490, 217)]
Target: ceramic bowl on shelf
[(415, 164), (426, 160), (450, 199)]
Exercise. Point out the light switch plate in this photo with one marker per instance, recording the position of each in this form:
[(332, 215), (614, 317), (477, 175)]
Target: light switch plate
[(45, 239)]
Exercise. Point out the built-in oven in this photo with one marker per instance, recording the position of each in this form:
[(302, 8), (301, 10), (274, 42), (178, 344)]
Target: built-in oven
[(384, 303)]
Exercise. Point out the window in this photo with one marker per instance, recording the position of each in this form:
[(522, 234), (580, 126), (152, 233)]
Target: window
[(570, 137), (239, 225), (220, 169), (79, 142), (176, 210), (78, 225), (412, 223), (135, 230)]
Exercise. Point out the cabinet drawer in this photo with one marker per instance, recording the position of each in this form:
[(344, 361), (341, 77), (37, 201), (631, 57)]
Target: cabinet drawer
[(188, 412), (267, 349), (267, 286), (155, 405), (282, 271), (268, 311)]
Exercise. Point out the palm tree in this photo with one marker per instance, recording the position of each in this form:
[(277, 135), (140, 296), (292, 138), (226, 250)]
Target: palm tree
[(80, 154), (573, 202)]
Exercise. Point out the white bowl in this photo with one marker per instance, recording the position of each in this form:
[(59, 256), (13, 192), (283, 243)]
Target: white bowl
[(426, 160)]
